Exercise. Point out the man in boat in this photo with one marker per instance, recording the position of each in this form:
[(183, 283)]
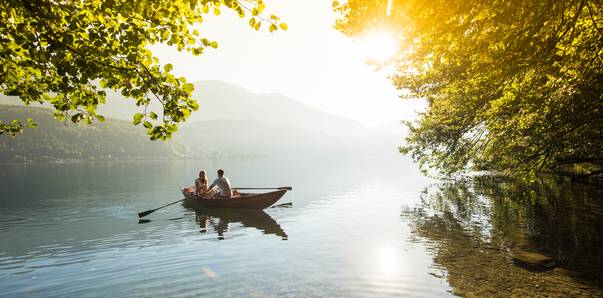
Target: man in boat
[(223, 184)]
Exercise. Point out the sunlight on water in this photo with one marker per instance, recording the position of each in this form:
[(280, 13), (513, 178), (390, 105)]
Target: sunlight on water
[(79, 232), (354, 232), (387, 261)]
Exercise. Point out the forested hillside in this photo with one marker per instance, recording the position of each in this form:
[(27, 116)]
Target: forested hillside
[(53, 140), (119, 140)]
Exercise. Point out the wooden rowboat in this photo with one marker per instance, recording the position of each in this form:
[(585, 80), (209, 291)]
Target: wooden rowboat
[(256, 201)]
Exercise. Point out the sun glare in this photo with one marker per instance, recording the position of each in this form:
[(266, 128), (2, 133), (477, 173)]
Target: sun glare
[(378, 46), (387, 260)]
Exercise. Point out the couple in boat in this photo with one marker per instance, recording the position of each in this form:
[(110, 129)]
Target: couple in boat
[(222, 183)]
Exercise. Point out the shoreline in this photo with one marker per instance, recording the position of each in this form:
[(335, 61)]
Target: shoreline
[(81, 161)]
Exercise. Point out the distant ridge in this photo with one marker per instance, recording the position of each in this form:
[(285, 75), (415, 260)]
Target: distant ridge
[(224, 101), (254, 137), (55, 141), (230, 122)]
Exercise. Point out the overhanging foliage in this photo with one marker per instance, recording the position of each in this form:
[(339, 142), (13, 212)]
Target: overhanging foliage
[(514, 86), (61, 52)]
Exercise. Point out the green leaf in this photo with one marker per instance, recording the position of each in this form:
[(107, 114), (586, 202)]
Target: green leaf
[(137, 118), (59, 116), (147, 124), (193, 105), (30, 123), (185, 112), (168, 67), (188, 87), (76, 117)]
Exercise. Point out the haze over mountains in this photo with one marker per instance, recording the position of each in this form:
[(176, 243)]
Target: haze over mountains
[(223, 101), (232, 121)]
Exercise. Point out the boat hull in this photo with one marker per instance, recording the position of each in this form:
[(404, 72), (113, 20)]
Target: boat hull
[(257, 201)]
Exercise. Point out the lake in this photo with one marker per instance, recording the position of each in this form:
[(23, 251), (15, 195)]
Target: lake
[(358, 226)]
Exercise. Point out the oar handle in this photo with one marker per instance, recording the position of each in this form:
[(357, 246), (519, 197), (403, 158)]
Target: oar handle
[(283, 187)]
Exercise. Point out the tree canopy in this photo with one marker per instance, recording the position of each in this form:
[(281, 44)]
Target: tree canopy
[(66, 52), (514, 86)]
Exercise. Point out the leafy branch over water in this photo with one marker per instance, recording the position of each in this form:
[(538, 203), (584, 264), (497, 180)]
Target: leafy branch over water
[(513, 86)]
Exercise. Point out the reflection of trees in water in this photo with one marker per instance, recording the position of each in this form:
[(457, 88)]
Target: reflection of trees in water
[(486, 232)]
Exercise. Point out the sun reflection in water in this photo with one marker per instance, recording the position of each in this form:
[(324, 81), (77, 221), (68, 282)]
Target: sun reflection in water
[(388, 261)]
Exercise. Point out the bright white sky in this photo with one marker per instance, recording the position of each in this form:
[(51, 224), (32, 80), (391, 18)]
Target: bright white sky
[(311, 62)]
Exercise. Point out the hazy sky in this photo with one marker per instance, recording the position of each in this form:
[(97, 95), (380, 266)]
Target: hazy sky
[(311, 62)]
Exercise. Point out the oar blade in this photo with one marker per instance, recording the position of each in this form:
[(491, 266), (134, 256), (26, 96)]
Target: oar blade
[(284, 205), (286, 187), (145, 213)]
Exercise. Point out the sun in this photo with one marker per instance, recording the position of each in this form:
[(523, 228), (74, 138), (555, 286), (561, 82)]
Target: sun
[(378, 46)]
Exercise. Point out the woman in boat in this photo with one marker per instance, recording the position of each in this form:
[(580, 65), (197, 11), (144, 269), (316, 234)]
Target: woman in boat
[(201, 183)]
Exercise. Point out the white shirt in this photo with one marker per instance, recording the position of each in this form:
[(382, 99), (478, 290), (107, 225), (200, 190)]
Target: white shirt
[(224, 185)]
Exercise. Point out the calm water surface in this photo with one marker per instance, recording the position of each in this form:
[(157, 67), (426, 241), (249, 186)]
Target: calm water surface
[(370, 226)]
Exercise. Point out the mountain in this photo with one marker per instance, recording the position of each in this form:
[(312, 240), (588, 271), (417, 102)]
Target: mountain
[(223, 101), (230, 122), (396, 128), (254, 137)]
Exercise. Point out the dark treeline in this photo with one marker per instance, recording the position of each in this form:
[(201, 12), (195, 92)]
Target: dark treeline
[(53, 140)]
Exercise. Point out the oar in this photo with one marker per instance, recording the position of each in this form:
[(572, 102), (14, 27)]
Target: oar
[(283, 205), (283, 187), (145, 213)]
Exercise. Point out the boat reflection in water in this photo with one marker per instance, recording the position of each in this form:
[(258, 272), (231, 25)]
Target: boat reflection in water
[(220, 219)]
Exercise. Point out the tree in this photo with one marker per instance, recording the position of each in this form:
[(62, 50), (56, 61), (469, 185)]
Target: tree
[(514, 86), (67, 52)]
